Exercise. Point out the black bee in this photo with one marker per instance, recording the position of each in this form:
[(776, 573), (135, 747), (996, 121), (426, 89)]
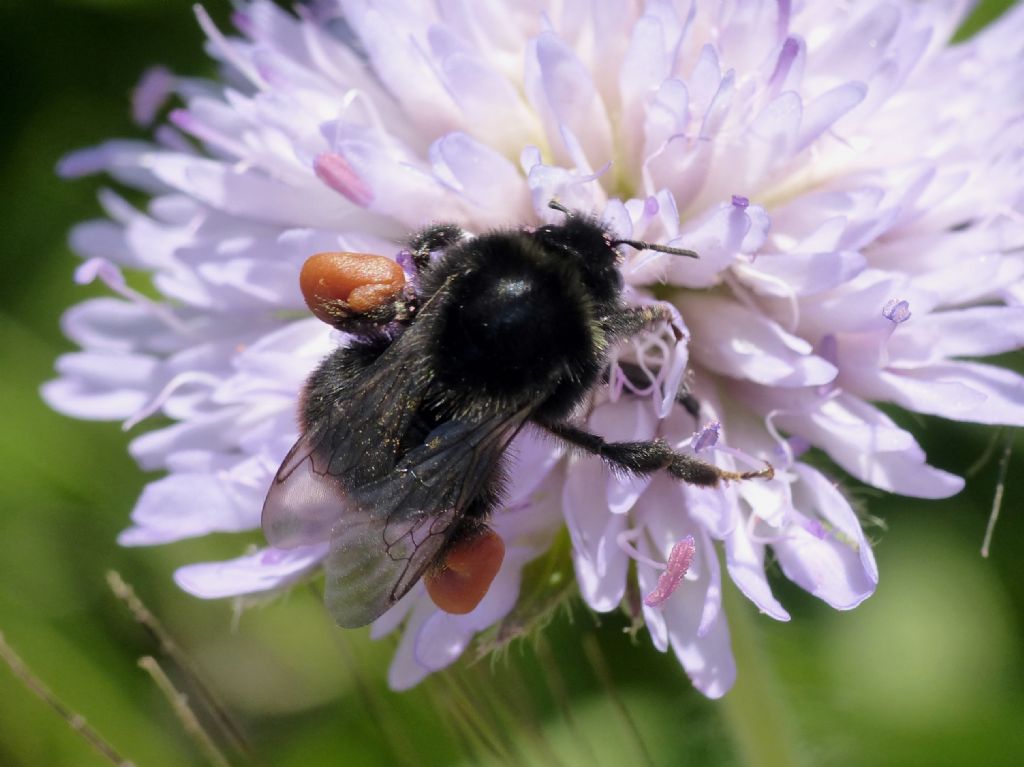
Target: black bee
[(404, 430)]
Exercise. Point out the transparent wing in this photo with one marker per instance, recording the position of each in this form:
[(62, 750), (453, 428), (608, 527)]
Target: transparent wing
[(402, 522), (355, 444), (386, 518)]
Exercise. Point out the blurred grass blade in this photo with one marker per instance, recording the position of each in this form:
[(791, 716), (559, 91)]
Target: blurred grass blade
[(997, 500), (211, 702), (74, 720), (185, 714)]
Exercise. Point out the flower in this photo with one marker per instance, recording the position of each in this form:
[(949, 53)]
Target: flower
[(851, 181)]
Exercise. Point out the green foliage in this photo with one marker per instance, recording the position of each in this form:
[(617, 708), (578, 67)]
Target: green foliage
[(930, 671)]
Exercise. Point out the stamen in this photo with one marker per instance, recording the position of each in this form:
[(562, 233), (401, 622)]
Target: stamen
[(624, 541), (188, 123), (813, 526), (673, 572), (154, 88), (226, 48), (334, 170), (679, 561), (896, 311), (110, 275), (739, 201), (706, 437), (165, 393)]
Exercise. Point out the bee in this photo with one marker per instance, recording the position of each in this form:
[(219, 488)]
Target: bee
[(404, 430)]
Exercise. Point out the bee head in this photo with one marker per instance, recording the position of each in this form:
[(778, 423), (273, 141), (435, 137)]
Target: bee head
[(596, 252), (585, 243)]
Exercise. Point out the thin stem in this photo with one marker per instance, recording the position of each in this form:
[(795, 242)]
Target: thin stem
[(593, 652), (997, 500), (560, 694), (73, 719), (185, 714), (754, 709), (395, 735), (222, 719)]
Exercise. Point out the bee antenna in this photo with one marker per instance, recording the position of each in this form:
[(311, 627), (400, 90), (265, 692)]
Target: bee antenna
[(556, 205), (640, 245)]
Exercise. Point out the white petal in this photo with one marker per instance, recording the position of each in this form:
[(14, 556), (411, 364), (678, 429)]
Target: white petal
[(745, 563), (735, 341), (266, 570)]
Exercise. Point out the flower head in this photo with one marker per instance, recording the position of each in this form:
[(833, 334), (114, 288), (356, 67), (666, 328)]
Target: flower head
[(851, 182)]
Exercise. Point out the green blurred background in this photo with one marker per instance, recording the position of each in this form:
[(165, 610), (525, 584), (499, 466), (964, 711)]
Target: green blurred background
[(929, 671)]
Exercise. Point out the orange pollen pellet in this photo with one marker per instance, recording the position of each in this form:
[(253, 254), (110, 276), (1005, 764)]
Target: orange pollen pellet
[(359, 281), (465, 575)]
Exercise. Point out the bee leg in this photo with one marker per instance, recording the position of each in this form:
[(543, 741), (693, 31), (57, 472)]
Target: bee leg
[(434, 237), (635, 319), (638, 379), (653, 455)]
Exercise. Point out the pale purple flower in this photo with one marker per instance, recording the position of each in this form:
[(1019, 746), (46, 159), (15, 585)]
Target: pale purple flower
[(852, 183)]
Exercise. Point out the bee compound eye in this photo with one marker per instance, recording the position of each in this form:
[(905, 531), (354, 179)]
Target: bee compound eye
[(361, 281), (466, 572)]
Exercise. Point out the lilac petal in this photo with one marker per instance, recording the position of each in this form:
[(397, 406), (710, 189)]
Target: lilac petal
[(532, 454), (481, 175), (824, 111), (860, 49), (703, 647), (647, 63), (930, 390), (98, 386), (827, 568), (405, 670), (395, 617), (833, 506), (115, 325), (707, 658), (601, 565), (248, 194), (712, 609), (745, 563), (153, 89), (185, 505), (647, 580), (628, 420), (974, 332), (735, 341), (666, 117), (693, 618), (749, 32), (266, 570), (866, 443), (788, 69), (121, 159), (212, 432), (560, 87), (393, 41), (800, 274), (718, 238), (715, 510), (101, 239), (772, 137), (963, 391), (489, 102), (706, 78)]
